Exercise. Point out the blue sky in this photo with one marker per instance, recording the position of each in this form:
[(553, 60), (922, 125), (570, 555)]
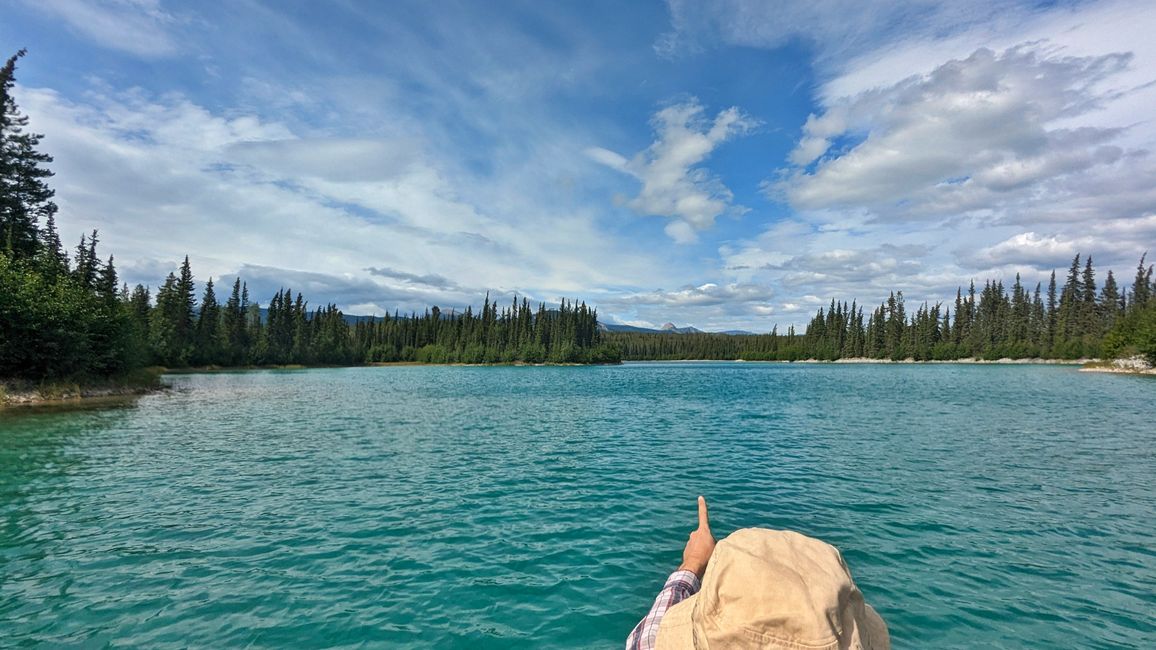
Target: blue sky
[(724, 164)]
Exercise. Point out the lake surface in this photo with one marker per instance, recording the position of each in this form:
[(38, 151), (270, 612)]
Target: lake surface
[(511, 507)]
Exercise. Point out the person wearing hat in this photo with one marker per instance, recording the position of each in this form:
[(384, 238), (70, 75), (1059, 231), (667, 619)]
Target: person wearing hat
[(759, 588)]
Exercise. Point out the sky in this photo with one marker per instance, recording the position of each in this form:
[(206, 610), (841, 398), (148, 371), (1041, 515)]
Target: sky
[(724, 164)]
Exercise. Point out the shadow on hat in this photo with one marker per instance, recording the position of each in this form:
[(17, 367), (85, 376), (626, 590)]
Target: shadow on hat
[(774, 589)]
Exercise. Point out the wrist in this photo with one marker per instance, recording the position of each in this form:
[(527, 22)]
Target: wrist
[(694, 568)]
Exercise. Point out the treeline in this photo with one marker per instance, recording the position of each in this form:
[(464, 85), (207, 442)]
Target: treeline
[(182, 332), (1079, 320), (62, 318), (69, 317)]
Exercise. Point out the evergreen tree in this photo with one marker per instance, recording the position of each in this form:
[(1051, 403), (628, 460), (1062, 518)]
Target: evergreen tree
[(207, 337), (1052, 313), (1069, 322), (1089, 314), (25, 197), (1109, 307), (235, 333), (140, 306), (1141, 285)]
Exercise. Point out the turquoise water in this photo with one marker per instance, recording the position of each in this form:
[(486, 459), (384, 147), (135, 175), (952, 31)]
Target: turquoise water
[(542, 507)]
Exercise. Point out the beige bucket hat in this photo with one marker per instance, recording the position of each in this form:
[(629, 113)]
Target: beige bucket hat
[(774, 589)]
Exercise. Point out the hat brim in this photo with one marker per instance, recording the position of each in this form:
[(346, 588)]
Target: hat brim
[(873, 630), (676, 630)]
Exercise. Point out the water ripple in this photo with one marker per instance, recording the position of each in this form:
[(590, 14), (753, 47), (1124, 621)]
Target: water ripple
[(542, 507)]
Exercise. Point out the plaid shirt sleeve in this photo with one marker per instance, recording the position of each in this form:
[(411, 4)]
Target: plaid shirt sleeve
[(679, 586)]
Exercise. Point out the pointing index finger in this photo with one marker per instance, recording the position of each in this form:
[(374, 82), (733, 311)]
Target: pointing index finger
[(703, 519)]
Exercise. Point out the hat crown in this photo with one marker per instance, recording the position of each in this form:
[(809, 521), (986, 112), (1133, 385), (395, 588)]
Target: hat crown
[(775, 589), (777, 584)]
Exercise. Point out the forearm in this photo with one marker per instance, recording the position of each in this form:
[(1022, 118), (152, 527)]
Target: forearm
[(678, 587)]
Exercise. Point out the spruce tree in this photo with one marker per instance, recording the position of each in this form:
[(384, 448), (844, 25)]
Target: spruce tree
[(1109, 307), (1141, 289), (25, 198), (1069, 321), (1089, 316), (206, 339), (140, 307), (1052, 315)]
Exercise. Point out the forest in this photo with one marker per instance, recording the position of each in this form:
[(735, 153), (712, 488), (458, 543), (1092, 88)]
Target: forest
[(69, 316)]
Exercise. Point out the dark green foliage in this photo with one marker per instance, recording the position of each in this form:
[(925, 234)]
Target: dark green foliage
[(516, 333), (1134, 329), (55, 321), (291, 333)]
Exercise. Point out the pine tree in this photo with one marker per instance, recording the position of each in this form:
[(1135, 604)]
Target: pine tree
[(1089, 314), (1108, 306), (25, 197), (233, 324), (206, 340), (1069, 323), (140, 307), (1141, 285), (1052, 314)]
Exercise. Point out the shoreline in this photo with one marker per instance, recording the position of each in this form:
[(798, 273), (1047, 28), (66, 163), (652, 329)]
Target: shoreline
[(1136, 365), (1007, 361), (373, 364), (17, 396)]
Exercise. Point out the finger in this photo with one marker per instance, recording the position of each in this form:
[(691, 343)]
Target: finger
[(703, 519)]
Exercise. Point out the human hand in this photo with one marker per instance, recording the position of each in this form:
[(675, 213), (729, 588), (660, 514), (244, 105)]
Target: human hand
[(700, 546)]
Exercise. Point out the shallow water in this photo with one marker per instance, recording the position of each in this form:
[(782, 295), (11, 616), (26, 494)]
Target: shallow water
[(511, 507)]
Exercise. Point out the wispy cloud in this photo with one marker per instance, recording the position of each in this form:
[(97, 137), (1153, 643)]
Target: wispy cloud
[(140, 27), (837, 29), (427, 279), (977, 135), (674, 184)]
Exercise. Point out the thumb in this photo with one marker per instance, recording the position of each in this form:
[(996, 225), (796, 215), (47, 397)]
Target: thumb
[(703, 519)]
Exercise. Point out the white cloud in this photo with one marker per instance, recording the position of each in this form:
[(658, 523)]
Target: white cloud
[(162, 177), (1029, 248), (975, 136), (681, 232), (674, 184), (709, 306), (606, 157), (705, 294), (138, 27)]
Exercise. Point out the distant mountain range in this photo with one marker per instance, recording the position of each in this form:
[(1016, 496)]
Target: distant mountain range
[(669, 328)]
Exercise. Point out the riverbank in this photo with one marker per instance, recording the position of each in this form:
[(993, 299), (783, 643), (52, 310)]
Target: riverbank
[(19, 393)]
